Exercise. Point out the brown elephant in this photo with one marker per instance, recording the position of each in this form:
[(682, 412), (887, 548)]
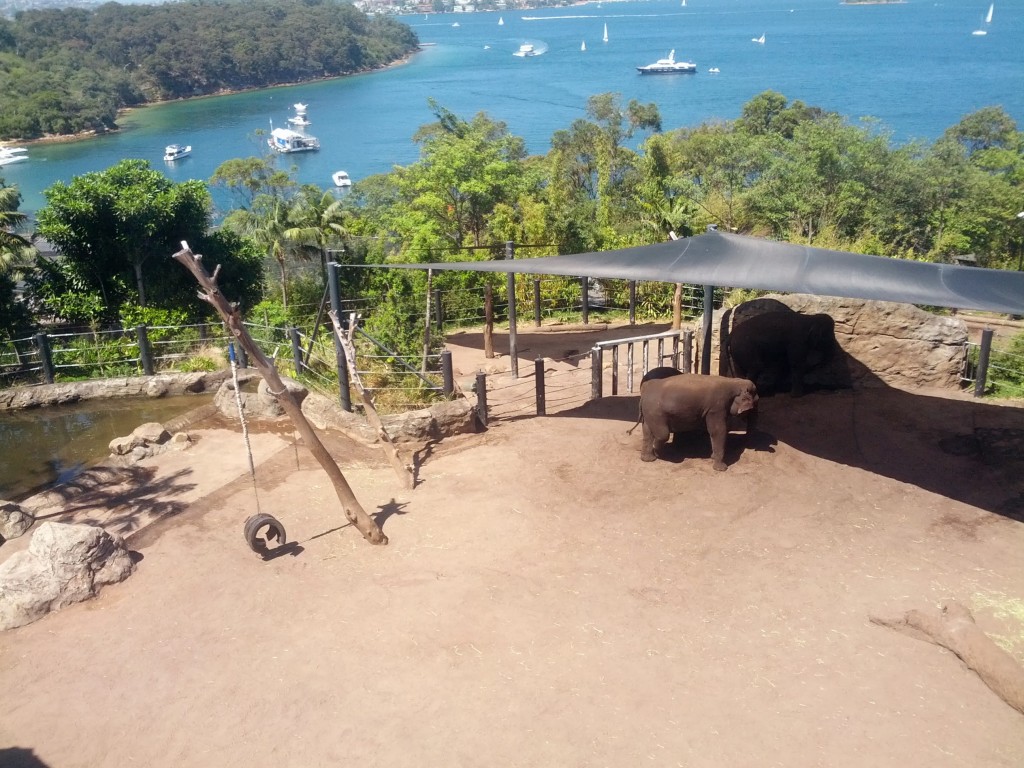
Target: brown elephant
[(689, 402), (775, 350)]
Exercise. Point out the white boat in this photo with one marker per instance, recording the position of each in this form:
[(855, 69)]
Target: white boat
[(583, 45), (668, 66), (285, 140), (983, 30), (526, 49), (501, 21), (605, 38), (758, 39), (174, 152), (10, 155), (714, 70), (300, 117), (341, 179), (455, 24)]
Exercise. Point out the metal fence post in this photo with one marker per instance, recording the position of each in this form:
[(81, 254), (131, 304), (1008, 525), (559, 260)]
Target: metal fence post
[(481, 396), (447, 375), (983, 354), (536, 302), (538, 377), (45, 357), (293, 333), (632, 302), (243, 359), (341, 364), (585, 299), (145, 353), (596, 377)]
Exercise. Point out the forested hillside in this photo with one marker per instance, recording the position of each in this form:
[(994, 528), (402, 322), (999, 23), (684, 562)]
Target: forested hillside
[(71, 70)]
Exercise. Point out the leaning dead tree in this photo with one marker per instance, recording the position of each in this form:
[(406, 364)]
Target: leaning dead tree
[(211, 294)]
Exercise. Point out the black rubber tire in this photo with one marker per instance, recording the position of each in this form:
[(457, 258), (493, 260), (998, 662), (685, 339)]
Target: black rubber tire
[(274, 528)]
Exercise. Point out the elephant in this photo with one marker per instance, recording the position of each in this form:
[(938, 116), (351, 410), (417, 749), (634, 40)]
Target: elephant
[(775, 350), (689, 402)]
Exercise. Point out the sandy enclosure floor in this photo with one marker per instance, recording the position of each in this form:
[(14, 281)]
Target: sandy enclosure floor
[(547, 599)]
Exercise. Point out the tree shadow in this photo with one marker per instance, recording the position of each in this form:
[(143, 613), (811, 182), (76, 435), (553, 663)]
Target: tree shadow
[(19, 757), (122, 500), (388, 509)]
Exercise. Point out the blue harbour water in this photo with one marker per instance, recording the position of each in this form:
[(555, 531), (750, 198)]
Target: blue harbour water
[(914, 66)]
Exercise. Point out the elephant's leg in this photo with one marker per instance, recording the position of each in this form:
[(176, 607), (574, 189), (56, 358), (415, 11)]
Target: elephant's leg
[(718, 429), (654, 438)]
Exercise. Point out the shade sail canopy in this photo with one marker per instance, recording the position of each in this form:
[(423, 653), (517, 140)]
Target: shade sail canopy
[(738, 261)]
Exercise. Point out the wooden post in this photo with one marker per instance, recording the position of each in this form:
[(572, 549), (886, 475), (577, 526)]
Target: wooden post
[(538, 380), (632, 302), (677, 307), (211, 294), (402, 469)]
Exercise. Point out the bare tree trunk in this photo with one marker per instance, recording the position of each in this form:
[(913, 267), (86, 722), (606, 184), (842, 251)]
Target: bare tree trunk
[(232, 317), (139, 284), (426, 324), (953, 628), (488, 322), (405, 475)]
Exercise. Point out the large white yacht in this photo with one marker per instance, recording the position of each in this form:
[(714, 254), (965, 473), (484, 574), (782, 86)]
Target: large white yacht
[(668, 66)]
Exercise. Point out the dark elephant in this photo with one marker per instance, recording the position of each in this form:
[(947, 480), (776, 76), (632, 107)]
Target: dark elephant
[(690, 402), (775, 350), (662, 372)]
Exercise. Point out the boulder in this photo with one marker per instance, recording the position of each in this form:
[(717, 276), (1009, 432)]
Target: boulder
[(63, 564), (14, 520), (261, 404), (453, 417), (143, 437)]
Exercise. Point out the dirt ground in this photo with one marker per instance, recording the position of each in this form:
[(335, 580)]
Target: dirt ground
[(549, 600)]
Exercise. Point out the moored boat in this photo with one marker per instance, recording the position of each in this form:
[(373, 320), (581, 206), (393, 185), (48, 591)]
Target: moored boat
[(668, 66), (285, 140), (174, 152), (10, 155), (341, 179)]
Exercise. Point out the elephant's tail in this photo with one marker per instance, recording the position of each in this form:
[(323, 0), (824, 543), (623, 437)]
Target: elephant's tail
[(639, 418)]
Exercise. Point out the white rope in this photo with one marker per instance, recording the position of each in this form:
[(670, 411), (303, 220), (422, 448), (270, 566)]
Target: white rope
[(245, 430)]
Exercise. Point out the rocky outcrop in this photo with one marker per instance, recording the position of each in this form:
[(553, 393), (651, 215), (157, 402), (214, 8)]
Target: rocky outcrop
[(447, 419), (161, 385), (261, 404), (148, 440), (64, 564), (14, 520), (884, 343)]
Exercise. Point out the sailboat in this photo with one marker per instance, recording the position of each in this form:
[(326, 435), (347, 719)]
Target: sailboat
[(988, 20), (605, 38), (758, 39), (583, 45), (501, 21)]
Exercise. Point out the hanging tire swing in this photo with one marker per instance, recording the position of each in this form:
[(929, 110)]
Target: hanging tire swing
[(260, 528)]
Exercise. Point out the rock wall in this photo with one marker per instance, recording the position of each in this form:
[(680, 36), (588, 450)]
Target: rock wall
[(160, 385), (882, 343)]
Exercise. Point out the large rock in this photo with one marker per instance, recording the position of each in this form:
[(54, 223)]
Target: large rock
[(885, 343), (14, 520), (454, 417), (259, 405), (63, 564)]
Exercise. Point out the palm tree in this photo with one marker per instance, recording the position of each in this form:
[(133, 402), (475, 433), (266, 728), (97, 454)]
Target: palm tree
[(266, 225), (16, 251), (318, 222)]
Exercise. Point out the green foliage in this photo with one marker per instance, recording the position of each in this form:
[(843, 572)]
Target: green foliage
[(105, 355), (70, 70), (1006, 369)]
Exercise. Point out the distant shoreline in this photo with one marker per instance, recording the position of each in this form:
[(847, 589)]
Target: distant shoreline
[(86, 135)]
